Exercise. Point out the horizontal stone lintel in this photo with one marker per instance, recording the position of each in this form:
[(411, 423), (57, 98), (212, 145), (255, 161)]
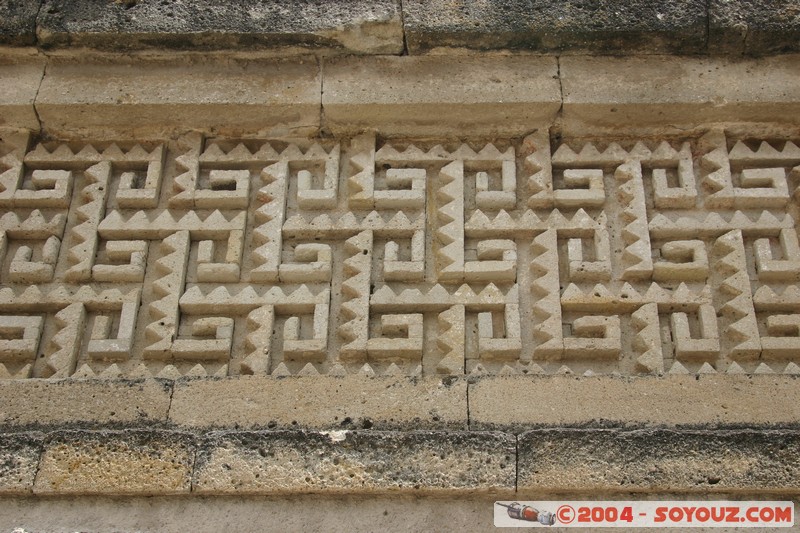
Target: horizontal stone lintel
[(437, 95), (543, 461), (730, 27), (504, 403)]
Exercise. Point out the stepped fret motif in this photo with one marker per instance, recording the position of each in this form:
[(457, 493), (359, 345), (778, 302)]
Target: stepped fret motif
[(213, 257)]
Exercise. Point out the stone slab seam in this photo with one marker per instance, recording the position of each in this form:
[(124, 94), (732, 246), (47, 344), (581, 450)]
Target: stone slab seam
[(689, 27), (161, 462)]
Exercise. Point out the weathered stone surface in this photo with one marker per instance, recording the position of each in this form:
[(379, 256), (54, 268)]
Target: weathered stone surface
[(83, 401), (210, 514), (354, 462), (151, 99), (604, 27), (436, 96), (354, 27), (18, 22), (19, 460), (753, 27), (19, 82), (659, 459), (349, 402), (116, 463), (524, 401), (661, 91), (212, 256)]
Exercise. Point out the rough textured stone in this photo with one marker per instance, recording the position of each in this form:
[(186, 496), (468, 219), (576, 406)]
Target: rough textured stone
[(517, 401), (116, 463), (355, 462), (437, 96), (20, 78), (149, 99), (349, 402), (355, 27), (753, 27), (19, 460), (640, 26), (83, 401), (636, 92), (18, 22), (659, 459), (320, 258)]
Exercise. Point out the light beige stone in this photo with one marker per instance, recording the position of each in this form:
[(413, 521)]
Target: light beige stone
[(429, 95), (349, 401), (675, 93), (519, 401), (74, 401), (116, 463), (19, 83), (151, 98)]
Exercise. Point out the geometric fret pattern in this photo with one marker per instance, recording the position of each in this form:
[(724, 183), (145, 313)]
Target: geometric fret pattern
[(213, 257)]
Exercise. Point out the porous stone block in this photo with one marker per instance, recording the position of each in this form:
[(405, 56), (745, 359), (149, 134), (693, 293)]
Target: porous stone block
[(355, 462), (348, 402), (18, 22), (116, 463), (667, 91), (605, 27), (519, 401), (19, 460), (19, 81), (351, 27), (440, 96), (753, 27), (658, 459), (31, 402), (151, 98)]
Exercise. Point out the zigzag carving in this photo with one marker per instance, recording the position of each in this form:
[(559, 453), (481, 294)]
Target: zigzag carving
[(64, 346), (636, 259), (450, 234), (355, 292), (734, 299), (715, 224), (647, 340), (438, 297), (536, 153), (450, 340), (269, 216), (84, 235), (258, 341), (165, 310), (545, 290)]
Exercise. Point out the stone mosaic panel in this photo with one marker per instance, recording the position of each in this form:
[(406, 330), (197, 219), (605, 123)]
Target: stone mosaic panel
[(204, 256)]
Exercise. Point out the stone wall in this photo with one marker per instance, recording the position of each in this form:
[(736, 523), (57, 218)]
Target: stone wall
[(402, 258)]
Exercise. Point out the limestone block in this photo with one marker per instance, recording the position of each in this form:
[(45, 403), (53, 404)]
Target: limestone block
[(684, 91), (505, 401), (550, 26), (346, 402), (83, 401), (750, 27), (502, 95), (359, 27), (19, 82), (116, 463), (667, 460), (350, 462), (275, 96)]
